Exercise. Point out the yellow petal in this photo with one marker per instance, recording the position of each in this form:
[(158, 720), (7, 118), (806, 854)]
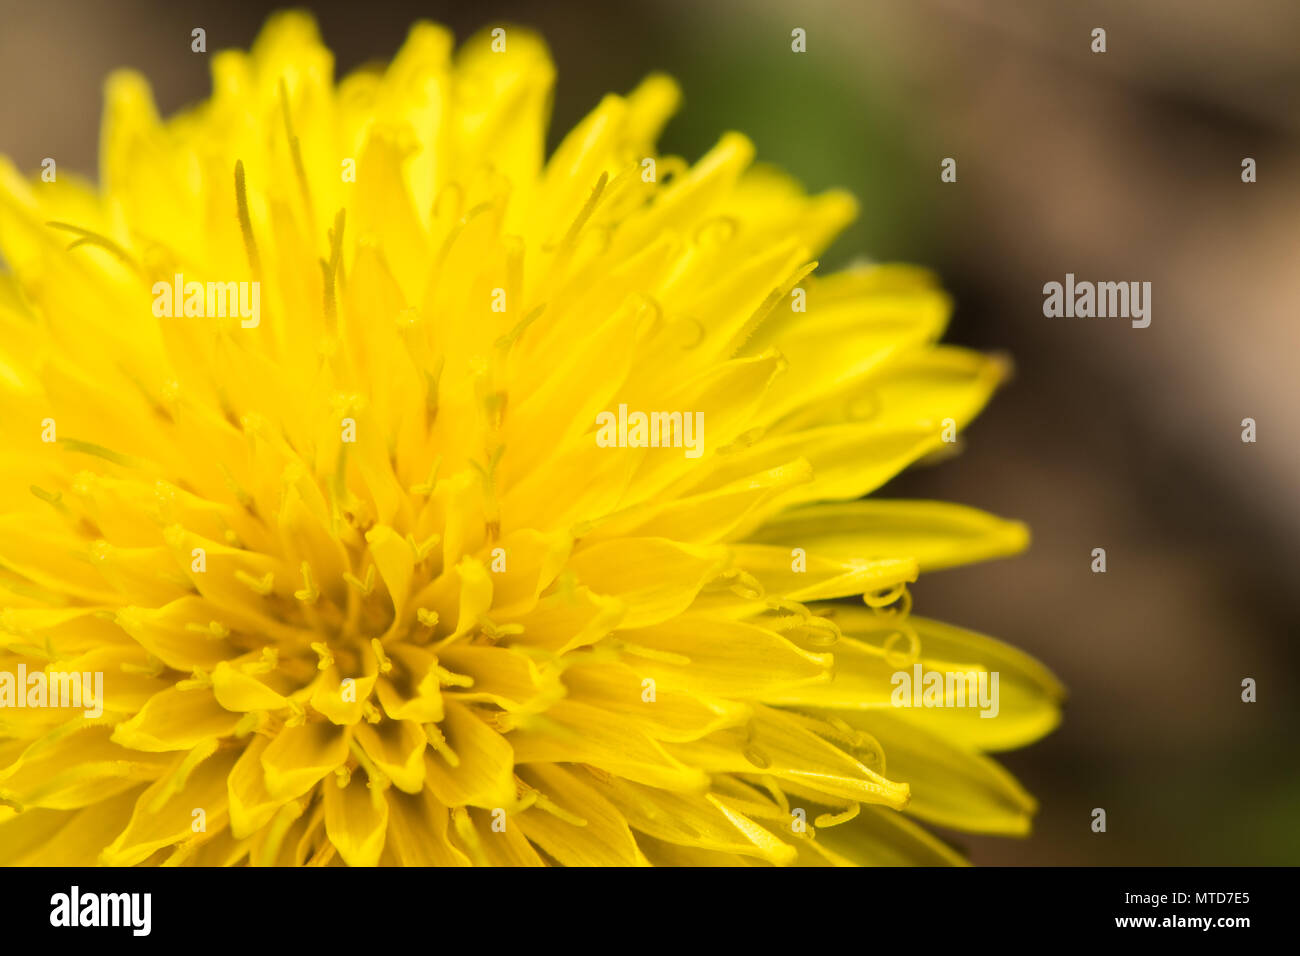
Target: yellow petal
[(949, 786), (531, 561), (395, 561), (65, 837), (491, 844), (707, 517), (573, 732), (666, 714), (867, 331), (397, 748), (663, 853), (411, 691), (301, 755), (342, 697), (504, 121), (934, 533), (697, 821), (590, 832), (816, 575), (238, 691), (783, 745), (654, 578), (176, 719), (417, 831), (73, 767), (569, 619), (356, 819), (507, 678), (483, 773), (883, 837), (1028, 695), (726, 658), (164, 814), (251, 805), (166, 633)]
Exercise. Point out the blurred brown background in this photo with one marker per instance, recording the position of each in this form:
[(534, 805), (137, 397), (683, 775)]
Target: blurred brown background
[(1117, 166)]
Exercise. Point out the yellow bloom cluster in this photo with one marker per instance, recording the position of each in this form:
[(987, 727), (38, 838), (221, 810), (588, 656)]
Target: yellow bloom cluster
[(361, 583)]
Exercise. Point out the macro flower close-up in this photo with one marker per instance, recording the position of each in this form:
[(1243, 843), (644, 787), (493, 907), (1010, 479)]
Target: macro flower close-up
[(394, 492)]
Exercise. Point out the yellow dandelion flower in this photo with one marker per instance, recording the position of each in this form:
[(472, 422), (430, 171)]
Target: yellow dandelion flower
[(393, 494)]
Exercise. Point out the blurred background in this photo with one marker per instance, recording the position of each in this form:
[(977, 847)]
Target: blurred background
[(1117, 166)]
